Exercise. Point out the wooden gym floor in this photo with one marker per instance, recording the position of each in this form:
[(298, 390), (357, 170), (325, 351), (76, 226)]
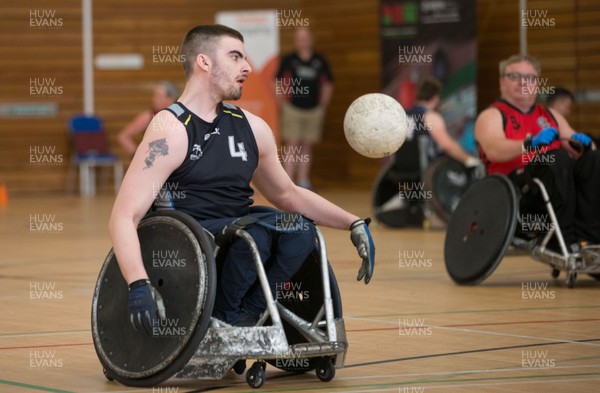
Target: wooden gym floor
[(410, 330)]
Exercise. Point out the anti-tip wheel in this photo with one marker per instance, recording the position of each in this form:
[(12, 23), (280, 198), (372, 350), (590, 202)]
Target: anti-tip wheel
[(255, 376), (555, 273), (571, 279), (325, 370)]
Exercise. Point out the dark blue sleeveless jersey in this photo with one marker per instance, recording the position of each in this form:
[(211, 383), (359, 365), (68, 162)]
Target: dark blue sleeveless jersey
[(416, 114), (214, 179)]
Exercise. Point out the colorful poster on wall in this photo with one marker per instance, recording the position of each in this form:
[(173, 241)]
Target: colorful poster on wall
[(261, 40), (433, 38)]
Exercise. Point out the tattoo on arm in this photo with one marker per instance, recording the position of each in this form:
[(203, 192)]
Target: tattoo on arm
[(156, 148)]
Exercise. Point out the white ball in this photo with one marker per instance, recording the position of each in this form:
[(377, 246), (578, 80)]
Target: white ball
[(375, 125)]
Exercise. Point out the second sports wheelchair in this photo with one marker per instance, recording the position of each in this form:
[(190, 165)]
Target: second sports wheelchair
[(295, 333), (491, 217)]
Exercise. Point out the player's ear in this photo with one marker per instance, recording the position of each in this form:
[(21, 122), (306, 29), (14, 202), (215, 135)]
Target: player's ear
[(203, 61)]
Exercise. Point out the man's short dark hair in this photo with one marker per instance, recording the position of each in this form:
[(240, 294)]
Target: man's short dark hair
[(559, 93), (428, 88), (203, 39)]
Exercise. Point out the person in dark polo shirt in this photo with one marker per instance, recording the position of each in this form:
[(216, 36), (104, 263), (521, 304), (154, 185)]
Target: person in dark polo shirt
[(303, 87)]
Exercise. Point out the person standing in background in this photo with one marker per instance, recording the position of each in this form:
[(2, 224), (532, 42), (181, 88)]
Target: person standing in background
[(165, 93), (303, 87)]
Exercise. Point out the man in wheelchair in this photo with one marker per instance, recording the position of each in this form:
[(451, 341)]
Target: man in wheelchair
[(429, 158), (427, 121), (524, 140), (199, 156)]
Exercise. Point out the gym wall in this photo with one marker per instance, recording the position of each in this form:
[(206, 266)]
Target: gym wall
[(346, 32)]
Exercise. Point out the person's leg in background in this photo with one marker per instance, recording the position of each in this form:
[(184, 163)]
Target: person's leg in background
[(312, 131), (555, 170)]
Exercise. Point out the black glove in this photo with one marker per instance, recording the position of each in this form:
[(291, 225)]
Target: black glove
[(362, 240), (146, 306)]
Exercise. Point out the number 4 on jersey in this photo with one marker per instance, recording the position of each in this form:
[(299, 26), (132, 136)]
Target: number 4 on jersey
[(237, 151)]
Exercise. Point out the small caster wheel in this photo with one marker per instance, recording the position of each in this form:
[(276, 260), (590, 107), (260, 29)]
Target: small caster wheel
[(571, 278), (255, 376), (107, 375), (555, 273), (325, 370), (239, 367)]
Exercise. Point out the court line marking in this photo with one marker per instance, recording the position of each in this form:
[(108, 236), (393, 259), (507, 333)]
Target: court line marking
[(462, 372), (490, 324), (491, 333), (481, 350), (48, 346), (475, 311), (50, 333), (397, 385), (33, 387), (450, 373)]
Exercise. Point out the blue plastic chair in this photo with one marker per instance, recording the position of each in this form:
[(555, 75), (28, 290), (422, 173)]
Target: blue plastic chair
[(90, 150)]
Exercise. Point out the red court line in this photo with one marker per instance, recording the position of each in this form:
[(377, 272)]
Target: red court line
[(47, 346), (486, 324)]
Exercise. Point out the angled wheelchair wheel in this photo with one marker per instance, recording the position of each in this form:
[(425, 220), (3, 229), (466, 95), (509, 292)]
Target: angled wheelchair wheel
[(447, 180), (388, 207), (481, 230), (305, 299), (179, 259)]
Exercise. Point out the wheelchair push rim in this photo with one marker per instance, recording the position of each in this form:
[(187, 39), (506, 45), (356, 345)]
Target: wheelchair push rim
[(179, 259)]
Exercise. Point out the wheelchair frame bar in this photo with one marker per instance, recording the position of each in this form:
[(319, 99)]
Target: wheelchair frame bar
[(327, 301), (262, 277), (556, 230), (276, 311)]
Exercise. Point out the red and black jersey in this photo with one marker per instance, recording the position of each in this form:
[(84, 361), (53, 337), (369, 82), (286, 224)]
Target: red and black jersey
[(519, 125)]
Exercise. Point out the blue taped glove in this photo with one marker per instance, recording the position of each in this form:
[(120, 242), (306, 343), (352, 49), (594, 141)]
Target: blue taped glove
[(544, 137), (145, 306), (362, 240), (582, 138)]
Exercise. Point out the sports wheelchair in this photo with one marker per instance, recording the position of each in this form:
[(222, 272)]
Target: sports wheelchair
[(182, 259), (410, 187), (487, 221)]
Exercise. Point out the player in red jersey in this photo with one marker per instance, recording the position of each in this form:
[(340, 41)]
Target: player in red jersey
[(522, 139)]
